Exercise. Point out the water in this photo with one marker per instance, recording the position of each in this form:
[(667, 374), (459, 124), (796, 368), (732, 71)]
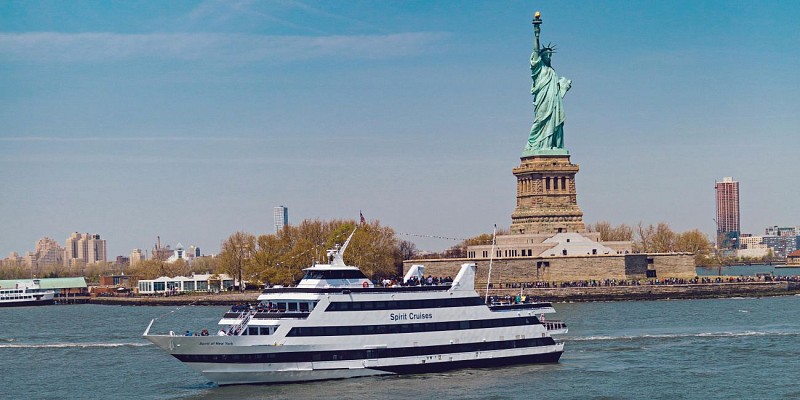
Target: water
[(747, 270), (680, 349)]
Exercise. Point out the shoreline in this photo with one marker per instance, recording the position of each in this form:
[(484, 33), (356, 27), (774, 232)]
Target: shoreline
[(554, 295)]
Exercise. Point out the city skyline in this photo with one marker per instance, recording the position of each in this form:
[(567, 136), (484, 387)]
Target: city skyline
[(189, 120)]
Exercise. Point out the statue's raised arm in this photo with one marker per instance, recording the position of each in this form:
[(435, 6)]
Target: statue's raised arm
[(548, 90)]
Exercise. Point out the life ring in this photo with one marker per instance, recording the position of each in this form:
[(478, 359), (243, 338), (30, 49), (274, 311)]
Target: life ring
[(365, 284)]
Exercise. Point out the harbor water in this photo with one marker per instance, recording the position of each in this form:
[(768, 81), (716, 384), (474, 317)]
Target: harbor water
[(680, 349)]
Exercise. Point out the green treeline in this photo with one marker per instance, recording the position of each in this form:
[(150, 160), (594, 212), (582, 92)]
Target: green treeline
[(279, 259)]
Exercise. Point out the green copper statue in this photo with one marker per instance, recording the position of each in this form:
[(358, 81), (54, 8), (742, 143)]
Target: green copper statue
[(548, 89)]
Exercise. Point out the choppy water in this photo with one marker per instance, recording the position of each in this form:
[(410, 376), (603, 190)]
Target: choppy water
[(681, 349)]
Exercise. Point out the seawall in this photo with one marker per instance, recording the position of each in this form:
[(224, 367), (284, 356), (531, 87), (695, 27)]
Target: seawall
[(657, 292), (227, 299), (577, 294)]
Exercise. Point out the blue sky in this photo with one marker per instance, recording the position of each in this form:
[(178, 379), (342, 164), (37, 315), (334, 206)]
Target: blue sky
[(193, 119)]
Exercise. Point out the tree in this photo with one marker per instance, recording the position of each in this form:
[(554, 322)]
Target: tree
[(482, 239), (609, 233), (663, 239), (236, 254), (644, 238), (373, 250), (149, 269), (204, 265)]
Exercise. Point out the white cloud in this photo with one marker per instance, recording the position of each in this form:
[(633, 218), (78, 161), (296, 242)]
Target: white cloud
[(51, 47)]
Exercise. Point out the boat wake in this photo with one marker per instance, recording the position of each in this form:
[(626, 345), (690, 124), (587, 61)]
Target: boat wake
[(70, 345), (680, 336)]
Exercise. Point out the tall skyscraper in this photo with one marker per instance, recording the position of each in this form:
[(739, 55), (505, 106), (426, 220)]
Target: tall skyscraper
[(281, 215), (728, 230), (85, 249), (48, 252), (136, 257)]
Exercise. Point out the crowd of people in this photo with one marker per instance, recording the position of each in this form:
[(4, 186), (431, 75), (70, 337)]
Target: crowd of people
[(204, 332), (642, 282), (416, 281)]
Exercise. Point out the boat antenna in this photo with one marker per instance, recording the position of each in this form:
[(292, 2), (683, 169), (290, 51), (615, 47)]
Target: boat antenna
[(491, 258), (338, 254)]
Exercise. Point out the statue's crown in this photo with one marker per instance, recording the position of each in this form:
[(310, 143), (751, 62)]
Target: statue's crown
[(550, 48)]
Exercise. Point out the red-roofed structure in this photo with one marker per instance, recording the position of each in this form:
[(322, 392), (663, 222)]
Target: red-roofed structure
[(793, 258)]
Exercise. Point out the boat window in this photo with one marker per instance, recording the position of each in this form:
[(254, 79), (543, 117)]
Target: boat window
[(264, 330), (281, 306), (304, 307), (292, 306), (253, 330), (334, 274)]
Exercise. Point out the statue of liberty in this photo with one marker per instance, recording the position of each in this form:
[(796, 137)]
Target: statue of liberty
[(548, 90)]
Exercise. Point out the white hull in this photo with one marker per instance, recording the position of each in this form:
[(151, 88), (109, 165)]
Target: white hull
[(335, 325), (284, 372)]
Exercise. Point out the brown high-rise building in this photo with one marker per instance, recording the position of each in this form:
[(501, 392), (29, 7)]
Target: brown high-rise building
[(84, 249), (728, 229)]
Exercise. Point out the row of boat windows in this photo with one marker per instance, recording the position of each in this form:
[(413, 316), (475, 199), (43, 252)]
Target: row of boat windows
[(362, 354), (288, 306), (335, 274), (259, 330), (410, 328), (404, 304), (15, 297)]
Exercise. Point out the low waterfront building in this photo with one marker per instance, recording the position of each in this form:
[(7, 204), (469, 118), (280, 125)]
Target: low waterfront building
[(758, 251), (525, 270), (121, 280), (63, 287), (180, 284), (793, 258)]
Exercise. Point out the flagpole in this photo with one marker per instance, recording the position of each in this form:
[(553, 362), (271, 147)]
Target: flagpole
[(491, 258)]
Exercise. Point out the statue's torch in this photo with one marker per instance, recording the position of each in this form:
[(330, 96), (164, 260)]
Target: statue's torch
[(537, 21)]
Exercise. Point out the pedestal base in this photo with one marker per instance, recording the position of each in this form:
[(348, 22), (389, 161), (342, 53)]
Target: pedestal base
[(546, 195)]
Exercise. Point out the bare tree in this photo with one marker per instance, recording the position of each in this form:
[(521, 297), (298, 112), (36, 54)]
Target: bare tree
[(408, 250), (237, 251), (644, 239), (609, 233)]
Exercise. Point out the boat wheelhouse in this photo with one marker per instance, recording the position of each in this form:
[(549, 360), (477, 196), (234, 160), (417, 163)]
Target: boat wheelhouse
[(337, 324)]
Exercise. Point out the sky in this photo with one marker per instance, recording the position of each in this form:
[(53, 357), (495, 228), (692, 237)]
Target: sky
[(191, 120)]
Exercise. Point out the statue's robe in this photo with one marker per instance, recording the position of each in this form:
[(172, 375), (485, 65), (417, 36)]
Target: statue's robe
[(548, 92)]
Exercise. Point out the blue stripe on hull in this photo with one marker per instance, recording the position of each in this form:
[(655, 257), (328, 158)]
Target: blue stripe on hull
[(481, 363)]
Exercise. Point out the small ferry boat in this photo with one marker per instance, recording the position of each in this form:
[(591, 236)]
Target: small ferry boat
[(337, 324), (25, 294)]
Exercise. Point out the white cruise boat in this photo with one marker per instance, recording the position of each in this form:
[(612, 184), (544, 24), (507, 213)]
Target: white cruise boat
[(25, 293), (337, 324)]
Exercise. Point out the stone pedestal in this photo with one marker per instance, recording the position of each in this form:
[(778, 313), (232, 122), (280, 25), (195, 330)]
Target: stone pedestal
[(546, 196)]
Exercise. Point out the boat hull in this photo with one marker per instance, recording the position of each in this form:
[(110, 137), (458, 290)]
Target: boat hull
[(240, 372), (26, 303)]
